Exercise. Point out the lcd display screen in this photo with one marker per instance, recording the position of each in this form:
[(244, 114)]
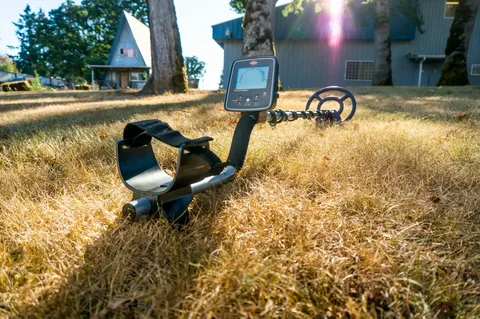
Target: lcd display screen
[(252, 78)]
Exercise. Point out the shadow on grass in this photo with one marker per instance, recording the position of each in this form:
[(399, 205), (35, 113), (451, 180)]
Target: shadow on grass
[(19, 96), (132, 269), (36, 100), (427, 103), (142, 269), (27, 128)]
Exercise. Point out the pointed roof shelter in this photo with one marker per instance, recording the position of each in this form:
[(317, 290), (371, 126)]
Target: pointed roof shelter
[(129, 56), (140, 35)]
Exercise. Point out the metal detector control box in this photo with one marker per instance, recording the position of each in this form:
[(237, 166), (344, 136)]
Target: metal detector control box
[(253, 85)]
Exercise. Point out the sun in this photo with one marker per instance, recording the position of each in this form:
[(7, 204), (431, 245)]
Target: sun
[(335, 12)]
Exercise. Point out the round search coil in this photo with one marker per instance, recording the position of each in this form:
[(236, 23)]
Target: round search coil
[(347, 95)]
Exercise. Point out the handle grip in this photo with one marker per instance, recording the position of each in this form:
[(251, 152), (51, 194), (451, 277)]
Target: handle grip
[(241, 138)]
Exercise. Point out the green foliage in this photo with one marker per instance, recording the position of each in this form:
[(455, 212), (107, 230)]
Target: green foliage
[(102, 22), (221, 84), (6, 64), (195, 68), (67, 45), (296, 6), (454, 71), (26, 33), (35, 84), (238, 5), (63, 41)]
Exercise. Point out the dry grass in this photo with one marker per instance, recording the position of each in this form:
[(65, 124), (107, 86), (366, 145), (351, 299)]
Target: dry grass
[(379, 217)]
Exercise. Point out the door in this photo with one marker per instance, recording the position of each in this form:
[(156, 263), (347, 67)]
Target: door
[(431, 73), (123, 80)]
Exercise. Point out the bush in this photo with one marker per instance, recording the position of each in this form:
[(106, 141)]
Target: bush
[(35, 83)]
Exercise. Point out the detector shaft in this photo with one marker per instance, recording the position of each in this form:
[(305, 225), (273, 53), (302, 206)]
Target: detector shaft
[(278, 116)]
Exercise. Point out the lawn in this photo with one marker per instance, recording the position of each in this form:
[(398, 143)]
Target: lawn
[(378, 217)]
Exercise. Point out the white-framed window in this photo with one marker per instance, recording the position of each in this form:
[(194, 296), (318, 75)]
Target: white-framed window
[(358, 70), (475, 69), (139, 76), (127, 53), (450, 8)]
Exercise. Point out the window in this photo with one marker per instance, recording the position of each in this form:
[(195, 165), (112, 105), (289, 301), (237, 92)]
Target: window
[(450, 7), (127, 53), (359, 70), (475, 69), (138, 76)]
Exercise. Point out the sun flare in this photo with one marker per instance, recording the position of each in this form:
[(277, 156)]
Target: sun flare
[(335, 11)]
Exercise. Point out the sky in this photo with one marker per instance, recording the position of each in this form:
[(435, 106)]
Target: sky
[(195, 19)]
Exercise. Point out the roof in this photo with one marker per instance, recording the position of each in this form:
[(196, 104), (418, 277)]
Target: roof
[(141, 35), (117, 67), (9, 76), (310, 25), (426, 57)]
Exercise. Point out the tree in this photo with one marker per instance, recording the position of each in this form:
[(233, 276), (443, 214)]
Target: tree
[(66, 43), (195, 68), (168, 68), (258, 25), (382, 65), (380, 11), (259, 28), (221, 85), (42, 40), (26, 33), (454, 70)]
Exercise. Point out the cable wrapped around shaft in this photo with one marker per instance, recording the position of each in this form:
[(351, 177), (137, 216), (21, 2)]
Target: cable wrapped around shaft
[(278, 116)]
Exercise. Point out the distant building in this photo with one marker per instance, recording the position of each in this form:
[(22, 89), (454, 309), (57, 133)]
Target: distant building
[(307, 61), (11, 76), (129, 61), (54, 82)]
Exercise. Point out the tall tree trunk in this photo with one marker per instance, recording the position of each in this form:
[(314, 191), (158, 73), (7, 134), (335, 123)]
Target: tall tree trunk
[(382, 66), (259, 28), (168, 67), (454, 70)]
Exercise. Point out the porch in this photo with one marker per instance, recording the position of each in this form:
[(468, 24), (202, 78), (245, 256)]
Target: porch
[(120, 77)]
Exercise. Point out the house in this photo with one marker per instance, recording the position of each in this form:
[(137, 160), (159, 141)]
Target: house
[(130, 60), (308, 61)]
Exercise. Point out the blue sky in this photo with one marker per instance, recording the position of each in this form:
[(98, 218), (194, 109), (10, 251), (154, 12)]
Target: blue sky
[(195, 19)]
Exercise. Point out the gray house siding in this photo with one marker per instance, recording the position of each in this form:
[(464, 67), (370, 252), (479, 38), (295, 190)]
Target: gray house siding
[(313, 64), (474, 52)]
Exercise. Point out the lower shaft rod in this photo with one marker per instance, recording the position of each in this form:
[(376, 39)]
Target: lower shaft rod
[(278, 116)]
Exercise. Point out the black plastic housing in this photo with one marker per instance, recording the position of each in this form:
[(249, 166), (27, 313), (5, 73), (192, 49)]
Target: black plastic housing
[(252, 97)]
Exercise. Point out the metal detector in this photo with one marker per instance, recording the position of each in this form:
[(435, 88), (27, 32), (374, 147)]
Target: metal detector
[(252, 91)]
